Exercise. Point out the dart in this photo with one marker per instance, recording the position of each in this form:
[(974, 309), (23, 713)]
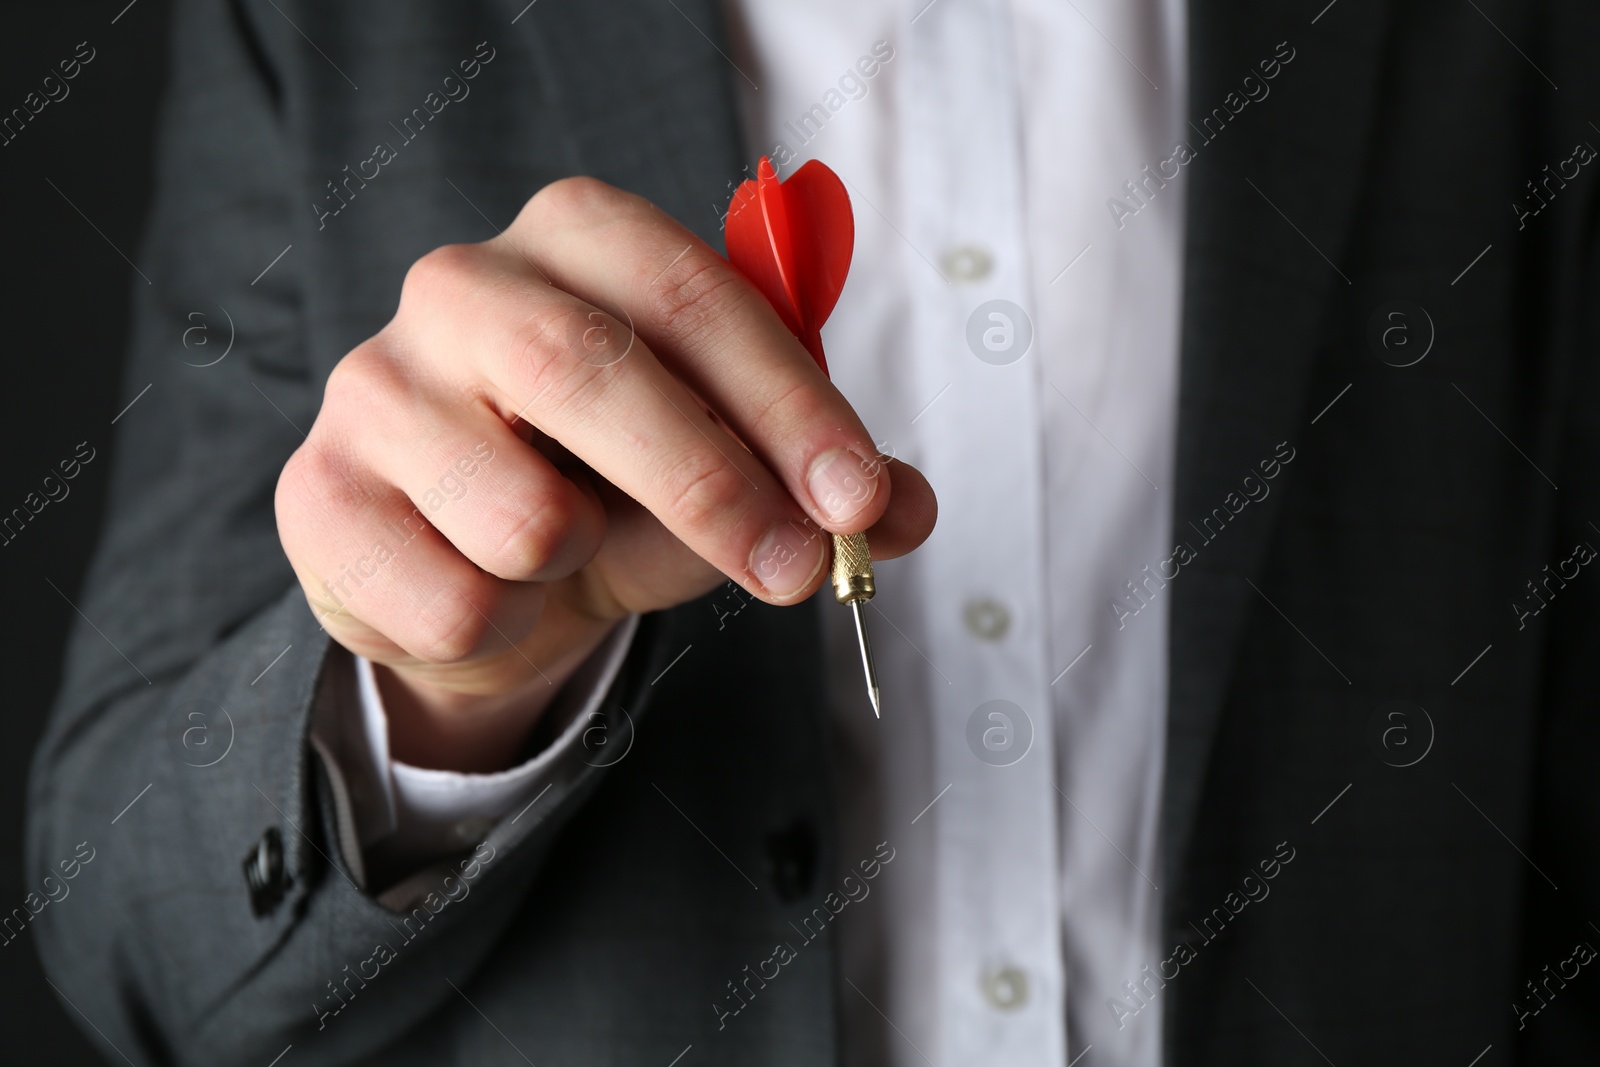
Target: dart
[(793, 240)]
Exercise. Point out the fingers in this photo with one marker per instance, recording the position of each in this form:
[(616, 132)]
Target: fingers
[(717, 333), (906, 525), (381, 578), (630, 420), (499, 502)]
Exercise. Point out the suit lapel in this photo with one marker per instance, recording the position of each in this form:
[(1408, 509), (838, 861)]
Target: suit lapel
[(1256, 297)]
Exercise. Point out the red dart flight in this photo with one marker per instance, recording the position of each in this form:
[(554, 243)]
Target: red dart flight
[(793, 239)]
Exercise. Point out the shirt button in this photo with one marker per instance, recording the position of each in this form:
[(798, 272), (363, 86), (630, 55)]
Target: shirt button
[(1006, 988), (967, 263), (987, 618)]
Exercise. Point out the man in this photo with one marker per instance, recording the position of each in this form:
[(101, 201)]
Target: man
[(1234, 713)]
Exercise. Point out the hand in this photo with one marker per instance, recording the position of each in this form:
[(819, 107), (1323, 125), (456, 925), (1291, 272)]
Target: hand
[(505, 470)]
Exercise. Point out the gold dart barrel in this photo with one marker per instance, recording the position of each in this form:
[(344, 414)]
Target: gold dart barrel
[(852, 568)]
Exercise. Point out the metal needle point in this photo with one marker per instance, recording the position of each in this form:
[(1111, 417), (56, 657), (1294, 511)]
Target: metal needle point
[(867, 665)]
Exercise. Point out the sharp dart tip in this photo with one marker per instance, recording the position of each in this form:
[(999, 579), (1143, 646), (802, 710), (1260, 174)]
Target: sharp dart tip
[(868, 668)]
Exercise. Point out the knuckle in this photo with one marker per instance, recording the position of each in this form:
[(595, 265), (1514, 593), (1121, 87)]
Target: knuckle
[(295, 488), (456, 626), (799, 404), (568, 199), (541, 355), (697, 295), (312, 481), (439, 273), (527, 540), (707, 493), (368, 377), (317, 492)]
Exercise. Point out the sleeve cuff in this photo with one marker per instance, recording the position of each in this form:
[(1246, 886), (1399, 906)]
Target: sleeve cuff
[(421, 812)]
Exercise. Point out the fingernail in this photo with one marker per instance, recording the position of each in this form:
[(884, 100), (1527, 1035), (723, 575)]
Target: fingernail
[(787, 559), (841, 483)]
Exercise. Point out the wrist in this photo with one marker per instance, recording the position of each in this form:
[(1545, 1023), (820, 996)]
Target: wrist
[(478, 719)]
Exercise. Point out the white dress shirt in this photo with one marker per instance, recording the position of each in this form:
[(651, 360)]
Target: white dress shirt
[(981, 153)]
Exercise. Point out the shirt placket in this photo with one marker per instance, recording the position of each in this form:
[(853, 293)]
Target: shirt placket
[(1000, 986)]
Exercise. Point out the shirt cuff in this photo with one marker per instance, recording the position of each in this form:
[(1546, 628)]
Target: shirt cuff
[(421, 812)]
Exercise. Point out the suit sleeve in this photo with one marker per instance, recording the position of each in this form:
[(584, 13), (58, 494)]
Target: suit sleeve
[(213, 917)]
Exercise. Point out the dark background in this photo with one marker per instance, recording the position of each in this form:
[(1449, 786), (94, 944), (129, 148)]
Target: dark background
[(64, 305)]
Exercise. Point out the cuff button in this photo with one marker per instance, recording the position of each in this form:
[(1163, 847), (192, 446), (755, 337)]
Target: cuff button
[(264, 873)]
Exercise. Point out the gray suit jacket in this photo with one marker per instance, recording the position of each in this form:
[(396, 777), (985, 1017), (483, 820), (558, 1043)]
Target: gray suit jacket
[(225, 917)]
